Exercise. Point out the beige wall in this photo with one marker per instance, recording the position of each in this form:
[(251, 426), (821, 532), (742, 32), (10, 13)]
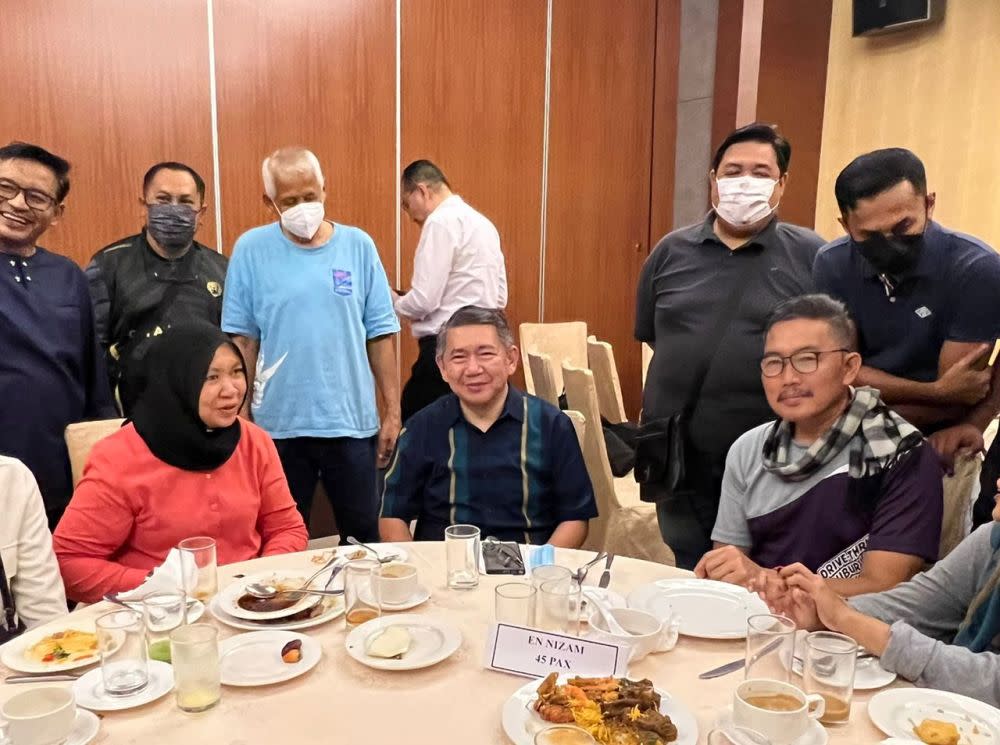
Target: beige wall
[(935, 90)]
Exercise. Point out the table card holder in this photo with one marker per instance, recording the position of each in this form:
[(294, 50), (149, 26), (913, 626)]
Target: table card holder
[(534, 654)]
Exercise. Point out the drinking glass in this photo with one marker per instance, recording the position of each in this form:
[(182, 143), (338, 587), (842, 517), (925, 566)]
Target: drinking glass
[(828, 664), (770, 647), (121, 643), (550, 572), (162, 612), (559, 607), (461, 544), (362, 592), (194, 651), (515, 603), (201, 552)]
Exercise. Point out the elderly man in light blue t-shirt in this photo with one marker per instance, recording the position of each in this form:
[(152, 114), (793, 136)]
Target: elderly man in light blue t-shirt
[(308, 303)]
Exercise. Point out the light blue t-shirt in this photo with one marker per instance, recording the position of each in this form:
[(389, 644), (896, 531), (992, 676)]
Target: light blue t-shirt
[(313, 310)]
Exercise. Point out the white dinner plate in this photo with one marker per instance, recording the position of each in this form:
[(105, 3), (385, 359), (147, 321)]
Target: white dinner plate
[(15, 652), (521, 723), (422, 595), (432, 641), (897, 711), (254, 659), (706, 608), (334, 609), (89, 690), (868, 672), (235, 590)]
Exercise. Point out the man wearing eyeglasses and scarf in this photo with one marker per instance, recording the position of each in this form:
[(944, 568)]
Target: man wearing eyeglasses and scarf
[(839, 483), (161, 277), (51, 369)]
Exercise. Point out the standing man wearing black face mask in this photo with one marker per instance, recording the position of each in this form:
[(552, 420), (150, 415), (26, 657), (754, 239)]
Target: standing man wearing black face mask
[(924, 299), (146, 283)]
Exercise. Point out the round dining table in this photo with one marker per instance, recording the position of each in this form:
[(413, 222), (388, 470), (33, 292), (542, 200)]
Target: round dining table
[(456, 701)]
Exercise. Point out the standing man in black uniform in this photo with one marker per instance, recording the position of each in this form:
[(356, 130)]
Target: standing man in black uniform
[(161, 277)]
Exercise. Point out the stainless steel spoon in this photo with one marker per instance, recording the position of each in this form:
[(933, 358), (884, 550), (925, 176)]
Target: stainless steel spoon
[(266, 591), (381, 559)]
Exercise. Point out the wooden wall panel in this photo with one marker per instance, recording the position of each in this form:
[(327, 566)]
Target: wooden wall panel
[(727, 69), (791, 89), (113, 86), (319, 74), (599, 171), (473, 101)]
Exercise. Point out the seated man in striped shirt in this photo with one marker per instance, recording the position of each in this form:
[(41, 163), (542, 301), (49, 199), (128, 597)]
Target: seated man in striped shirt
[(488, 454)]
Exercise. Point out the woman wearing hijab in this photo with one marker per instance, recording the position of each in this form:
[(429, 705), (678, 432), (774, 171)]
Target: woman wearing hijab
[(940, 630), (185, 465)]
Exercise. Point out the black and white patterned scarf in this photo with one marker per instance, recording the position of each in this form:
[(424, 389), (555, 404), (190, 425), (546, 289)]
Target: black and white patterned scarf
[(884, 435)]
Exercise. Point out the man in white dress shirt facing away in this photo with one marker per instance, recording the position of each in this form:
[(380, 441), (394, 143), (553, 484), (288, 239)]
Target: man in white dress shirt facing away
[(458, 263)]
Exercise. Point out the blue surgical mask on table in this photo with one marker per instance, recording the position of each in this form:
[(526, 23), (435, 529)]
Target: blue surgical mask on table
[(744, 200), (303, 219)]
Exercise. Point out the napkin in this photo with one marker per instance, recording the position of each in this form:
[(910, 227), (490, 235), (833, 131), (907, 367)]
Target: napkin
[(170, 576)]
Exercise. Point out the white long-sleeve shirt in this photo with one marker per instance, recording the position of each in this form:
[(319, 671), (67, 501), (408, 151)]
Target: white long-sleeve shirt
[(458, 263), (26, 547)]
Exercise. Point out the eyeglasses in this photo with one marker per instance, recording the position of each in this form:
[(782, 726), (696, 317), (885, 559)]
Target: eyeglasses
[(804, 362), (37, 200)]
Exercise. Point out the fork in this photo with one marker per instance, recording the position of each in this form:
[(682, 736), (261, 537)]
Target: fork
[(581, 574)]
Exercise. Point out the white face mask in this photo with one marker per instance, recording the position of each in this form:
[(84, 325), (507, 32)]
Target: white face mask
[(303, 219), (745, 199)]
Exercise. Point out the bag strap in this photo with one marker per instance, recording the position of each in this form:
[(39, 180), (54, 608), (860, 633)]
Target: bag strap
[(9, 609), (722, 322)]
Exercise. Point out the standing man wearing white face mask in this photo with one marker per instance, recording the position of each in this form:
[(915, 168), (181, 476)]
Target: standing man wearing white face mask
[(308, 303), (703, 301)]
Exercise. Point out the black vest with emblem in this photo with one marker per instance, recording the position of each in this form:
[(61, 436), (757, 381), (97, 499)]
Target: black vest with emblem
[(148, 294)]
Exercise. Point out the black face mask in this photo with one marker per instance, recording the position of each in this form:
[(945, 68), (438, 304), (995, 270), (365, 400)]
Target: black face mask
[(172, 226), (893, 256)]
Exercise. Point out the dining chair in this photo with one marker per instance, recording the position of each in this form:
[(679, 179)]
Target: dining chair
[(625, 525), (81, 437), (609, 388), (959, 491), (647, 356), (562, 342), (579, 424), (543, 377)]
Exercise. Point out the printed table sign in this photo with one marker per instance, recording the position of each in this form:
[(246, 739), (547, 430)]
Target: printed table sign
[(535, 654)]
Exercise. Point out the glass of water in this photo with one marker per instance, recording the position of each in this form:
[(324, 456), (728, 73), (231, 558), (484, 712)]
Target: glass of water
[(770, 647), (461, 543), (162, 612), (559, 607), (199, 551), (194, 651), (515, 603), (121, 643)]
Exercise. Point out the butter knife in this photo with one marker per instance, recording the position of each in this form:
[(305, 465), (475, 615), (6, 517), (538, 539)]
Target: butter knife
[(732, 667), (606, 576), (39, 678)]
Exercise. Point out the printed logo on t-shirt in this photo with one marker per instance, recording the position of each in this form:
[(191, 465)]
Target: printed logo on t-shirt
[(264, 374), (923, 311), (342, 282), (846, 564)]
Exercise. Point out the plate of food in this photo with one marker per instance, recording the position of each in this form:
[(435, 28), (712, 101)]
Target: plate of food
[(327, 609), (46, 651), (935, 717), (614, 711), (707, 609), (239, 603), (262, 658), (383, 550), (403, 642)]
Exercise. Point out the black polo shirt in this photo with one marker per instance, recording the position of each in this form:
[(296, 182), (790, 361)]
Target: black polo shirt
[(138, 294), (684, 281), (951, 294)]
